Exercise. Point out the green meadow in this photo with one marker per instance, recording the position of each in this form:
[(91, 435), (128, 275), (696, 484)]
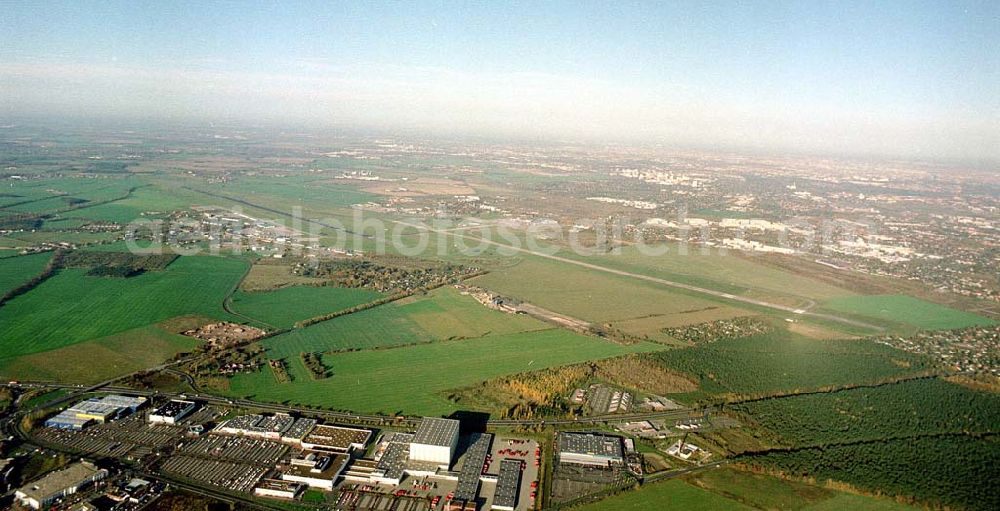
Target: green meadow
[(908, 310), (442, 314), (107, 357), (15, 271), (415, 379), (725, 489), (284, 307), (71, 307)]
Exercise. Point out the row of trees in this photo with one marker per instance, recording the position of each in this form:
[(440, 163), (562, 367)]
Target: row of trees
[(49, 270), (314, 363)]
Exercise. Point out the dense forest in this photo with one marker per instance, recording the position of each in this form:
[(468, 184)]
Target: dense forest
[(957, 471), (924, 406)]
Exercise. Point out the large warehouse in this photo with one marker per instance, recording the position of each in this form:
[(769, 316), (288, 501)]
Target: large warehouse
[(95, 409), (59, 484), (435, 441), (171, 412), (590, 449)]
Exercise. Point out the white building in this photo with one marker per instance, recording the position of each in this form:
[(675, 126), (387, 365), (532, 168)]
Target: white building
[(435, 441), (316, 470), (590, 449), (59, 484), (172, 412)]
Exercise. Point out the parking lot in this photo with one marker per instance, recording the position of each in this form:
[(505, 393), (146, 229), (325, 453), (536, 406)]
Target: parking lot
[(361, 499), (238, 449), (128, 437), (225, 474)]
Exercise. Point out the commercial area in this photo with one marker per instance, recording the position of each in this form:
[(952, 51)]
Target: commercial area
[(95, 410), (281, 456), (59, 484)]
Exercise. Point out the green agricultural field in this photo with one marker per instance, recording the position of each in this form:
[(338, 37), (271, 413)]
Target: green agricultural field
[(146, 199), (731, 273), (55, 194), (785, 362), (443, 314), (77, 238), (106, 358), (414, 379), (673, 494), (594, 296), (71, 307), (319, 197), (765, 492), (284, 307), (15, 271), (907, 310)]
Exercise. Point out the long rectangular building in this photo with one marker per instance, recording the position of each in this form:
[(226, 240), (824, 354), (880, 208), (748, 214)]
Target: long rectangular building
[(336, 439), (508, 485), (59, 484), (591, 449)]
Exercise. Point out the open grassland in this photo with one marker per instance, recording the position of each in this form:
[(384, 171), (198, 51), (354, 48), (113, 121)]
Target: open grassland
[(316, 196), (284, 307), (15, 271), (782, 362), (71, 307), (910, 311), (765, 492), (593, 296), (147, 199), (730, 273), (674, 494), (266, 277), (105, 358), (77, 238), (41, 195), (442, 314), (414, 379)]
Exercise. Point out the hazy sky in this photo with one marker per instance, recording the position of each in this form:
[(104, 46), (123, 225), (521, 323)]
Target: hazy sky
[(905, 77)]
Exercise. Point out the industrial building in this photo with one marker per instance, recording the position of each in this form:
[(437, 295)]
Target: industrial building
[(95, 409), (267, 427), (279, 489), (508, 486), (59, 484), (315, 469), (472, 467), (336, 439), (171, 412), (435, 441), (392, 462), (591, 449), (297, 431)]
